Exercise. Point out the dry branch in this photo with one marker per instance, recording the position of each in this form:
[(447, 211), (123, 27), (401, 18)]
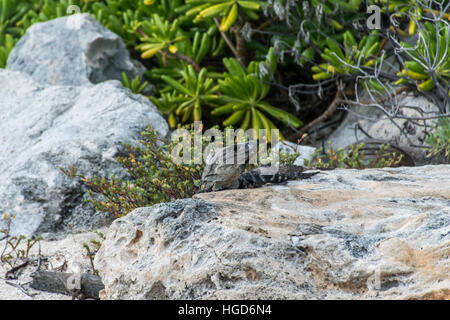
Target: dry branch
[(56, 282)]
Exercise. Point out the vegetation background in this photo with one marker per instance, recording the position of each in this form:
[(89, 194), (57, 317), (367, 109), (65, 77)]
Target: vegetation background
[(287, 64)]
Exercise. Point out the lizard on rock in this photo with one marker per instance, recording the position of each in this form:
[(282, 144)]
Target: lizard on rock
[(225, 169)]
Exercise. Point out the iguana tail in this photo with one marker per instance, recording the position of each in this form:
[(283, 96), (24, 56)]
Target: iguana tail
[(257, 177)]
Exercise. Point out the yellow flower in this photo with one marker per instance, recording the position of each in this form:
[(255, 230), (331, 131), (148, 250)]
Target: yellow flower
[(173, 49)]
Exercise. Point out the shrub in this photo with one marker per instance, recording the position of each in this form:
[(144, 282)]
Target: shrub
[(92, 249), (439, 140), (353, 158), (409, 53), (17, 248), (154, 178)]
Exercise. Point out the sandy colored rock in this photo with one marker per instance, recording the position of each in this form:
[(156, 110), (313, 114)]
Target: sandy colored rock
[(343, 234)]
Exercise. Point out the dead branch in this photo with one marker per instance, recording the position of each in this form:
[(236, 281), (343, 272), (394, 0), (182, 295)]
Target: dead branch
[(324, 116), (229, 43), (183, 57), (18, 286), (56, 282)]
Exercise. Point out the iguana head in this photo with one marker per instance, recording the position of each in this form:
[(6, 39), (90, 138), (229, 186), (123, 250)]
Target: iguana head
[(224, 166)]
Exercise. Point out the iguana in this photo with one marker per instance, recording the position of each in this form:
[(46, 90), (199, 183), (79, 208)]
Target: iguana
[(230, 173)]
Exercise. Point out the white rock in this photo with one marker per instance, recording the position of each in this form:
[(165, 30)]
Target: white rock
[(43, 128), (73, 50), (305, 152)]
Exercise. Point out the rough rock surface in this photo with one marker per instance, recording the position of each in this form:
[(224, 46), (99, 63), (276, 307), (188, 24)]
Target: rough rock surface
[(370, 234), (74, 50), (43, 128)]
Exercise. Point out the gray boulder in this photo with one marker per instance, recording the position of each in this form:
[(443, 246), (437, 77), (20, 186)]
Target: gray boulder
[(410, 135), (74, 50), (43, 128), (342, 234), (304, 152)]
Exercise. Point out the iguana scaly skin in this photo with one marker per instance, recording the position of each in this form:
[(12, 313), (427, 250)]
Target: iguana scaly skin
[(230, 173), (225, 166), (259, 177)]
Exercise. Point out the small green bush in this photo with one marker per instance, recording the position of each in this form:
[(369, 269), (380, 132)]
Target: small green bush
[(154, 176), (439, 140), (92, 249), (353, 158), (17, 248)]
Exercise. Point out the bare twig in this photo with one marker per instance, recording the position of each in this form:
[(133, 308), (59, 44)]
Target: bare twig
[(229, 43), (241, 44), (330, 110), (31, 295), (266, 24), (181, 56), (16, 268)]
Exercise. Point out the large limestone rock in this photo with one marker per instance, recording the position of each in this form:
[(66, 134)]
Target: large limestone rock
[(43, 128), (370, 234), (74, 50)]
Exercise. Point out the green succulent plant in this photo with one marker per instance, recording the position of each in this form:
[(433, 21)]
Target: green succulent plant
[(243, 92), (167, 104), (410, 10), (191, 51), (11, 12), (193, 93), (345, 61), (160, 36), (204, 43), (135, 85), (429, 60), (175, 37), (7, 43), (228, 10)]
